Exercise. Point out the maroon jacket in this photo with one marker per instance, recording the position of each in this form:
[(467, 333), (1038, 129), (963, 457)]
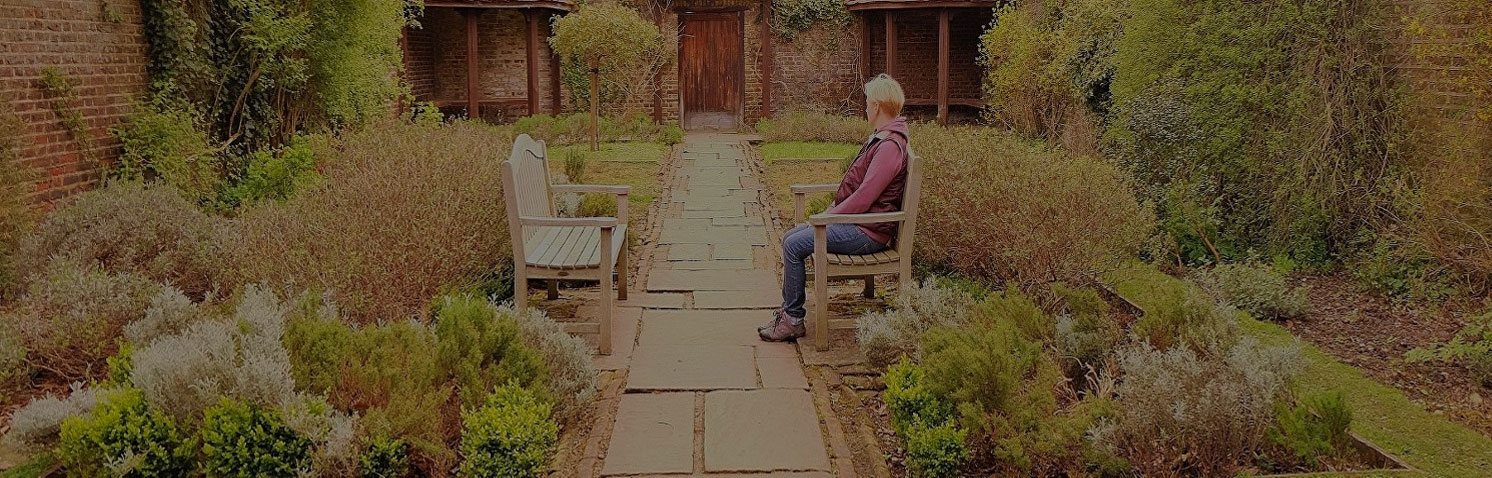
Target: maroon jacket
[(876, 179)]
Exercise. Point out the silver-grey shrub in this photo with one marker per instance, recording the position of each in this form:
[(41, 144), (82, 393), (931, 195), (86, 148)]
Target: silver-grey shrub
[(886, 335), (36, 425), (572, 378), (171, 312), (72, 315), (1256, 288), (1181, 410), (242, 358)]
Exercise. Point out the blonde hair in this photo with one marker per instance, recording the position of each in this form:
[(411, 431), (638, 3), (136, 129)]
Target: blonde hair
[(886, 91)]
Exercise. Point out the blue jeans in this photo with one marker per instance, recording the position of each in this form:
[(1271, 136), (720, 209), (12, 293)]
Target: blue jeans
[(797, 246)]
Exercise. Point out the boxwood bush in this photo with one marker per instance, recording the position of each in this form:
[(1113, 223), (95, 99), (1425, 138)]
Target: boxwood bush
[(122, 436), (243, 440), (510, 436)]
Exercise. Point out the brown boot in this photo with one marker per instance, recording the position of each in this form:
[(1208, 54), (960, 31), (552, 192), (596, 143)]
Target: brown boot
[(783, 331), (776, 317)]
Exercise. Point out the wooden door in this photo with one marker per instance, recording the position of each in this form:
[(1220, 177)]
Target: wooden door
[(712, 68)]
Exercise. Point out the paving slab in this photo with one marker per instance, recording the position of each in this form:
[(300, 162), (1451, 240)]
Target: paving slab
[(648, 300), (777, 350), (763, 430), (654, 433), (623, 337), (696, 327), (733, 212), (737, 221), (730, 251), (711, 265), (754, 236), (739, 299), (688, 252), (692, 367), (675, 280), (782, 372)]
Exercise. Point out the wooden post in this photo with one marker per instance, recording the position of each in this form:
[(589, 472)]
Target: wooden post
[(473, 62), (554, 74), (943, 66), (767, 54), (891, 43), (532, 18)]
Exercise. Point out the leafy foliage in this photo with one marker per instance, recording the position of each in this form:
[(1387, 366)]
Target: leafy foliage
[(38, 425), (384, 458), (509, 436), (886, 335), (123, 437), (608, 42), (276, 175), (813, 126), (16, 214), (1472, 347), (1314, 428), (72, 315), (169, 146), (243, 440), (483, 350), (791, 17), (1086, 334), (1255, 288)]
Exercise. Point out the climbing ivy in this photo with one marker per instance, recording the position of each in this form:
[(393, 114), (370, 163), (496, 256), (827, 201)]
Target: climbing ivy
[(63, 97), (791, 17)]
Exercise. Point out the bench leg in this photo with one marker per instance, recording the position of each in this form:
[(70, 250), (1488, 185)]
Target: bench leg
[(820, 289), (904, 278), (870, 287), (553, 289), (520, 288), (621, 274), (604, 341)]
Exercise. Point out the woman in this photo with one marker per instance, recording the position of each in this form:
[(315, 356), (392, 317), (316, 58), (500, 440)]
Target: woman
[(873, 184)]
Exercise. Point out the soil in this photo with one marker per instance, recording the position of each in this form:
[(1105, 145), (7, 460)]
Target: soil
[(1372, 333)]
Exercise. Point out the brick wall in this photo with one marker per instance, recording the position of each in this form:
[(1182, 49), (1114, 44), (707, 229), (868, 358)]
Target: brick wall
[(99, 45), (819, 70), (419, 62), (917, 51), (1436, 66), (502, 45)]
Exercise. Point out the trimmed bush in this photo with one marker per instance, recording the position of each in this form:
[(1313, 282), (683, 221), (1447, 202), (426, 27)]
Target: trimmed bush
[(241, 358), (1313, 429), (886, 335), (908, 399), (1181, 315), (148, 231), (72, 316), (1181, 412), (384, 458), (384, 233), (935, 451), (813, 126), (483, 350), (1255, 288), (243, 440), (122, 436), (511, 436), (1042, 215), (37, 425)]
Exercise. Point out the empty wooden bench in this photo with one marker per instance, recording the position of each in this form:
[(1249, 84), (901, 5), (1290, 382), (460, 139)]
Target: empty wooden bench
[(895, 260), (550, 247)]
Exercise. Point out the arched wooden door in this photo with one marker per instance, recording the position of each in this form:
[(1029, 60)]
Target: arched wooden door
[(712, 68)]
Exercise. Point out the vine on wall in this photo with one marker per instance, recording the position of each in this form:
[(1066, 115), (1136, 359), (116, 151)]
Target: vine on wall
[(63, 97), (791, 17)]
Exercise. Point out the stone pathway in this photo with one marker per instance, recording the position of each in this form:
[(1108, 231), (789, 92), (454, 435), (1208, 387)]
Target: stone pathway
[(703, 395)]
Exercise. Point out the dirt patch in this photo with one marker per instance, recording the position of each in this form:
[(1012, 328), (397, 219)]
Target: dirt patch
[(1372, 333)]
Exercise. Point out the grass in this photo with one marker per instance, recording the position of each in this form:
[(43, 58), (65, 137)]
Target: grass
[(1382, 414), (784, 173), (795, 150), (641, 174), (629, 152)]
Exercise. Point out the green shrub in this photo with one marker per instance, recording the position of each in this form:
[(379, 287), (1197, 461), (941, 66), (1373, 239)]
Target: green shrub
[(574, 161), (1055, 216), (72, 316), (124, 437), (510, 436), (1184, 412), (1401, 268), (1314, 428), (574, 128), (148, 231), (243, 440), (935, 450), (168, 144), (1255, 288), (1181, 315), (886, 335), (385, 233), (909, 401), (483, 350), (275, 175), (813, 126), (1086, 333), (384, 458), (1471, 347)]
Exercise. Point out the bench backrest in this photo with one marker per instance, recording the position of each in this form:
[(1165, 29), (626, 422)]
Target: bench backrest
[(910, 199), (526, 179)]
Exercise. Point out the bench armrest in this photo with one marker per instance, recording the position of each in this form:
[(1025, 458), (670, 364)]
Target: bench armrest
[(602, 222), (621, 193), (822, 220), (813, 188)]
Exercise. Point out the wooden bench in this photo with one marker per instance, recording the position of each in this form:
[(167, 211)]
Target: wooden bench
[(550, 247), (895, 260)]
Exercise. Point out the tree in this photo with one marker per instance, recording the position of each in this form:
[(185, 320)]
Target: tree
[(605, 39)]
